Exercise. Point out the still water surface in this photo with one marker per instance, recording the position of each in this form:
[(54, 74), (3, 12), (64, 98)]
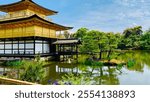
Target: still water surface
[(139, 74)]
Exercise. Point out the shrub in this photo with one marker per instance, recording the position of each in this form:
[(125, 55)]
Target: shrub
[(14, 63), (89, 62), (34, 71), (130, 63), (71, 79)]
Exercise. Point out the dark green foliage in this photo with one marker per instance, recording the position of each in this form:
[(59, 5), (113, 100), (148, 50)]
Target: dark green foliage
[(14, 64), (112, 44), (87, 47), (137, 30), (80, 33), (145, 41), (34, 71), (130, 63), (96, 63), (131, 38), (96, 41), (90, 62), (71, 79)]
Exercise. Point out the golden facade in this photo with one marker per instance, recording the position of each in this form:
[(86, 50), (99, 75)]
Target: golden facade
[(26, 30)]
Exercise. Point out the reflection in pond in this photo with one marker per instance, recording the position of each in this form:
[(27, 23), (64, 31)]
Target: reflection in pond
[(10, 73), (137, 74), (98, 76)]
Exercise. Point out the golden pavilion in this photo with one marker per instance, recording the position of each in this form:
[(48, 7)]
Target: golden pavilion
[(25, 30)]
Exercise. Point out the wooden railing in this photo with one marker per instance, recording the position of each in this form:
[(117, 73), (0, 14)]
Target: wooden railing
[(8, 17), (8, 81)]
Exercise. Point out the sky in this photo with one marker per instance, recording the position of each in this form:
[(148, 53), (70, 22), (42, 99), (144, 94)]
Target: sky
[(102, 15)]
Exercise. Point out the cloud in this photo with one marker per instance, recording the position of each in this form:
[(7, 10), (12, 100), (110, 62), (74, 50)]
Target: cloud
[(105, 21), (131, 2), (134, 9), (134, 14), (111, 15)]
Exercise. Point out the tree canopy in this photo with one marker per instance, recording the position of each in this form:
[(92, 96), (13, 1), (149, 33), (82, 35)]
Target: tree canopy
[(145, 40), (94, 41), (131, 38)]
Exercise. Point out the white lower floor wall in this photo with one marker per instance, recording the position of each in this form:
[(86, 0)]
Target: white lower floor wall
[(25, 47)]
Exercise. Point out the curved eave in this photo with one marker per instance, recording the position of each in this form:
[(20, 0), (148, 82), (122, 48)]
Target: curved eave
[(59, 27), (54, 12), (4, 7)]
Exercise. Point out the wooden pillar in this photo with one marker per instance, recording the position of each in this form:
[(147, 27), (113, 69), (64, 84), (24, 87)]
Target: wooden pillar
[(58, 55), (63, 48), (59, 48), (71, 47)]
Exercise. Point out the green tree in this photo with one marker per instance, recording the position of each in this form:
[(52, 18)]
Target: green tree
[(112, 43), (96, 41), (101, 40), (145, 40), (89, 44), (81, 33), (131, 38), (137, 30)]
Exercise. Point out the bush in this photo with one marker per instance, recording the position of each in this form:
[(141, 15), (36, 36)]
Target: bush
[(130, 63), (89, 62), (34, 71), (14, 63), (71, 79)]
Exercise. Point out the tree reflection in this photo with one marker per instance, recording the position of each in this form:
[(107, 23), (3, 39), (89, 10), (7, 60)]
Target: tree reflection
[(108, 76), (141, 58), (99, 75), (93, 76)]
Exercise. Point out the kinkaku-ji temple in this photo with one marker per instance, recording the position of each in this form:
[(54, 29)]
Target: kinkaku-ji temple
[(25, 31)]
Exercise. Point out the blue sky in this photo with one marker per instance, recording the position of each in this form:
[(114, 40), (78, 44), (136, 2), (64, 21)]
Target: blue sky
[(103, 15)]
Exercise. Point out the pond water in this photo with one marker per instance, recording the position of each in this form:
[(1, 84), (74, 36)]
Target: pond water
[(138, 74)]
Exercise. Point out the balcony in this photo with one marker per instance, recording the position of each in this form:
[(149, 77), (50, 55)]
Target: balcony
[(10, 17)]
